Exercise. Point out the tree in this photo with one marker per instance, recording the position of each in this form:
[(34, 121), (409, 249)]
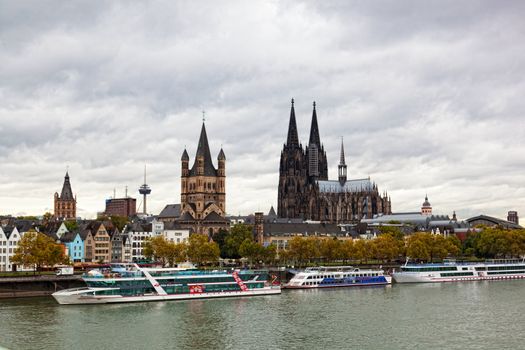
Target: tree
[(386, 247), (47, 217), (251, 250), (394, 231), (418, 247), (220, 238), (38, 250), (238, 234), (331, 249), (359, 250), (71, 225), (201, 251), (156, 248), (117, 221)]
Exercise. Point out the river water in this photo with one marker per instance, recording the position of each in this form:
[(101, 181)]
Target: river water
[(472, 315)]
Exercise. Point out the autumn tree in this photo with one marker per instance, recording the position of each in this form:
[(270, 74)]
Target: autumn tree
[(38, 250), (386, 247), (200, 250)]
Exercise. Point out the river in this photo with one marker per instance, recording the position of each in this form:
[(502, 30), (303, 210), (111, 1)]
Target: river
[(472, 315)]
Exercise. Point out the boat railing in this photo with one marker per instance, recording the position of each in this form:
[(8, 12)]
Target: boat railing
[(505, 261)]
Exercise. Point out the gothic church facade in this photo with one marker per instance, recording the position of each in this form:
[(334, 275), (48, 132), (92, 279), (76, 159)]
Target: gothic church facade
[(305, 191)]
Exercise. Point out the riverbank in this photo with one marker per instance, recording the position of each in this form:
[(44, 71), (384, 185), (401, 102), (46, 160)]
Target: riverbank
[(39, 285)]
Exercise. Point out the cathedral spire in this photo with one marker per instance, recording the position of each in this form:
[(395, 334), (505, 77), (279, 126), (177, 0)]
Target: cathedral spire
[(342, 165), (293, 138), (67, 193), (342, 159), (314, 130)]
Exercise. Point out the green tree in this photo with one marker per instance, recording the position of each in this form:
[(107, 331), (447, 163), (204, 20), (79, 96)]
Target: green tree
[(238, 234), (251, 250), (394, 231), (38, 250), (71, 225), (220, 238)]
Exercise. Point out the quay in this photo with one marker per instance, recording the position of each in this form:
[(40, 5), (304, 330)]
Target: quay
[(38, 285)]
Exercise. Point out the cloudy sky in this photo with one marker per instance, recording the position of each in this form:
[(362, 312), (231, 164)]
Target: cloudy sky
[(429, 97)]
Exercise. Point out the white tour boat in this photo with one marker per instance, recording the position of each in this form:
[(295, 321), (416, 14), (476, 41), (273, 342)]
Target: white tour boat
[(131, 283), (337, 276), (452, 271)]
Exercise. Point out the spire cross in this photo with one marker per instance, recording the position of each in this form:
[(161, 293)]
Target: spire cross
[(203, 116)]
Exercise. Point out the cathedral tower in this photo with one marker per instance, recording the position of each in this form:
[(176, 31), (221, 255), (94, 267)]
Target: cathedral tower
[(65, 204), (292, 173), (315, 153)]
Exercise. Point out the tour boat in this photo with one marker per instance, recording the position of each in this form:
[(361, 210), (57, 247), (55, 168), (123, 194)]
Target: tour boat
[(452, 271), (337, 276), (131, 283)]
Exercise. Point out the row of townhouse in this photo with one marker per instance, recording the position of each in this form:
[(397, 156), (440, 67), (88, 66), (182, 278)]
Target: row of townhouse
[(92, 241)]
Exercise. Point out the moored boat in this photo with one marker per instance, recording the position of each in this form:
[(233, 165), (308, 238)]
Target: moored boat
[(131, 283), (452, 271), (337, 276)]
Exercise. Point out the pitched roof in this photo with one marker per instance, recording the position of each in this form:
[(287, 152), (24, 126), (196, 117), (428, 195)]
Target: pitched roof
[(334, 186), (203, 150), (221, 156), (67, 193), (213, 216), (496, 221), (170, 211), (303, 228)]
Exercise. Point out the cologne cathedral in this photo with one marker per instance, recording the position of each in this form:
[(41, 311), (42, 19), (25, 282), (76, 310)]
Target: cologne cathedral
[(305, 191)]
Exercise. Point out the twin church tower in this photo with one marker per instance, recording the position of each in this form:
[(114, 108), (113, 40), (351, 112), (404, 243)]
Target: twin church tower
[(305, 191)]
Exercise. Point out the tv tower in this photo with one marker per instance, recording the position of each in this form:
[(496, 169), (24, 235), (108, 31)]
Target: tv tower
[(144, 190)]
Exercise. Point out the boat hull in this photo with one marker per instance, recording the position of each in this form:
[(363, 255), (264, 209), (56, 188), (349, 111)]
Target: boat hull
[(67, 298), (337, 286), (412, 278)]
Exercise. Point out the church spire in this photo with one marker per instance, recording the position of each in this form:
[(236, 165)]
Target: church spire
[(314, 130), (293, 138), (342, 165), (67, 193), (203, 152)]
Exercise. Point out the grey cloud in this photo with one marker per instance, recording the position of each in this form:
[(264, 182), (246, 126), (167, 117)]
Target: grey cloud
[(426, 94)]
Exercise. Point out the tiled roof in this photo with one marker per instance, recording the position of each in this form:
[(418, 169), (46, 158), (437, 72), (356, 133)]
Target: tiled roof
[(170, 211)]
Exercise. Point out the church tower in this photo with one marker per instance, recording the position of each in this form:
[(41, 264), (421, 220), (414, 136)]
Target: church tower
[(426, 208), (292, 173), (65, 204), (203, 189), (315, 153)]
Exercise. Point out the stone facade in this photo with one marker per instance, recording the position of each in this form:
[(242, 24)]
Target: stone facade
[(305, 191), (65, 205), (203, 190)]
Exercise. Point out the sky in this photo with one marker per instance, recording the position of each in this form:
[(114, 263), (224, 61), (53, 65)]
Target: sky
[(428, 96)]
